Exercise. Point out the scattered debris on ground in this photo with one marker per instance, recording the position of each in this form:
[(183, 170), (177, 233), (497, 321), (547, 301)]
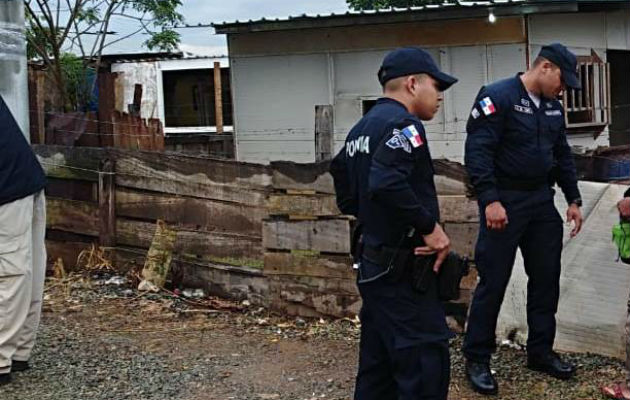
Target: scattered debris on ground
[(103, 339)]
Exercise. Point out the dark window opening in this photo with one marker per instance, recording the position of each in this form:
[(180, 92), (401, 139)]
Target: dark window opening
[(589, 108), (189, 98)]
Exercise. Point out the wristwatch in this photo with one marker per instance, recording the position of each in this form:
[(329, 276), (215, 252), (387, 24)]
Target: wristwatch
[(577, 202)]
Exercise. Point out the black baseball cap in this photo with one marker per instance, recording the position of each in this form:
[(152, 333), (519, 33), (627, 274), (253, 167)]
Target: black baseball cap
[(565, 60), (409, 61)]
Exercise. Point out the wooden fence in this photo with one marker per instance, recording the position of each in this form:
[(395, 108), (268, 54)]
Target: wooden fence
[(270, 233)]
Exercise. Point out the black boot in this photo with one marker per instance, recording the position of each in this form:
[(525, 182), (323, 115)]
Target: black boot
[(480, 377), (5, 379), (19, 366), (550, 364)]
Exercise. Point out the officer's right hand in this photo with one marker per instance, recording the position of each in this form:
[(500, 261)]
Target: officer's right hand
[(435, 242), (496, 217)]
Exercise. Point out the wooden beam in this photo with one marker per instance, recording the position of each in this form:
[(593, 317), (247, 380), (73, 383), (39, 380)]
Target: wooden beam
[(190, 213), (107, 204), (191, 242), (64, 162), (136, 106), (281, 263), (303, 205), (198, 177), (72, 216), (218, 98), (354, 37), (458, 208), (324, 133), (289, 175), (463, 237), (326, 235)]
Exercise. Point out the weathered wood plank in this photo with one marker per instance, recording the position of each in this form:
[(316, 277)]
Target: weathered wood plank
[(306, 205), (449, 186), (70, 162), (140, 234), (158, 262), (324, 133), (72, 216), (329, 235), (191, 213), (463, 237), (107, 204), (199, 177), (313, 297), (71, 189), (304, 265), (458, 208), (290, 175)]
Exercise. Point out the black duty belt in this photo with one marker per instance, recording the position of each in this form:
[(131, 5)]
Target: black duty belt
[(381, 255), (526, 185)]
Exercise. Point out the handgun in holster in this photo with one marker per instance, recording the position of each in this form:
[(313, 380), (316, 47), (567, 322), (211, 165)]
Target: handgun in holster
[(394, 260), (449, 278), (356, 245)]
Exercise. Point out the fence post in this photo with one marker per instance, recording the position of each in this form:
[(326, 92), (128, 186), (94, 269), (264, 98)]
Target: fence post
[(324, 133), (107, 204)]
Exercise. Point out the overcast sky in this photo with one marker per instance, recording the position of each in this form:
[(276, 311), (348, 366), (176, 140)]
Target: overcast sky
[(203, 40)]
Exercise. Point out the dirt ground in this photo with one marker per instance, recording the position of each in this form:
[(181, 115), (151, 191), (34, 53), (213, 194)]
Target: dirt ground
[(107, 341)]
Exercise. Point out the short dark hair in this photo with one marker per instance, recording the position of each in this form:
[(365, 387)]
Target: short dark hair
[(539, 60)]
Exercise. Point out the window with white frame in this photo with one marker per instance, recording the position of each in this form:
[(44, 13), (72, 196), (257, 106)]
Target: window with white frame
[(590, 106)]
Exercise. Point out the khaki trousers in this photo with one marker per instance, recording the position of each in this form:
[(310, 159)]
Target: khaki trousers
[(22, 274)]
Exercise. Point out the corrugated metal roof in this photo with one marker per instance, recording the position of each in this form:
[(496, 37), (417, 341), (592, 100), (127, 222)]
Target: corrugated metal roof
[(447, 9), (185, 57), (383, 11)]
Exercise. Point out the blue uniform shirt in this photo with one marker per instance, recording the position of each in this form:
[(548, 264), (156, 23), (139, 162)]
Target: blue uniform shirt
[(20, 173), (384, 175), (509, 138)]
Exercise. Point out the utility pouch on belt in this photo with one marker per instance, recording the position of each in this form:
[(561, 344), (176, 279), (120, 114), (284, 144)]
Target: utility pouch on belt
[(453, 269), (394, 260)]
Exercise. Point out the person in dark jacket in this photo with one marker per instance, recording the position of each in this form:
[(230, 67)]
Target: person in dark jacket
[(516, 150), (22, 248), (384, 176)]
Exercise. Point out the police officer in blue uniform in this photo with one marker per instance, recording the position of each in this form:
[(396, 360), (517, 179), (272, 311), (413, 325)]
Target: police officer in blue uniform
[(384, 176), (516, 150)]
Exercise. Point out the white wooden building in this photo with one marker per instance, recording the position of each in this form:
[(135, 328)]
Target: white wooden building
[(179, 91), (281, 69)]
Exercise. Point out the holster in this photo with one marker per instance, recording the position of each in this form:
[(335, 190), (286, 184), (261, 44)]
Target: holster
[(394, 259), (448, 280)]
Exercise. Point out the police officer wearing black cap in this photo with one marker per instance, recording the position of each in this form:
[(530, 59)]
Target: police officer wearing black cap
[(516, 150), (384, 176)]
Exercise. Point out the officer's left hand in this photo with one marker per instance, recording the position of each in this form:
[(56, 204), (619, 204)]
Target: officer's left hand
[(574, 214)]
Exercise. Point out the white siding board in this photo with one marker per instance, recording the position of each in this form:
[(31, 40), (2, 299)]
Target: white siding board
[(274, 103), (618, 30), (145, 74), (586, 30)]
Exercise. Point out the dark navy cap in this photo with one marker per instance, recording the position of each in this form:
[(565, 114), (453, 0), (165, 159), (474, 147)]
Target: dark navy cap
[(565, 60), (409, 61)]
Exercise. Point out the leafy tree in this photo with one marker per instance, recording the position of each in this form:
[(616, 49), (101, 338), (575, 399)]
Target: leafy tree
[(378, 4), (57, 29)]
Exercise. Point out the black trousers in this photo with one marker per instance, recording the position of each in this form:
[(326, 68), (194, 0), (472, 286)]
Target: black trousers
[(536, 228), (403, 352)]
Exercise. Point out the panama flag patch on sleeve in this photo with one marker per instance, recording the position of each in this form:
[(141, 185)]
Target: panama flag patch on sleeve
[(413, 135), (487, 106)]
